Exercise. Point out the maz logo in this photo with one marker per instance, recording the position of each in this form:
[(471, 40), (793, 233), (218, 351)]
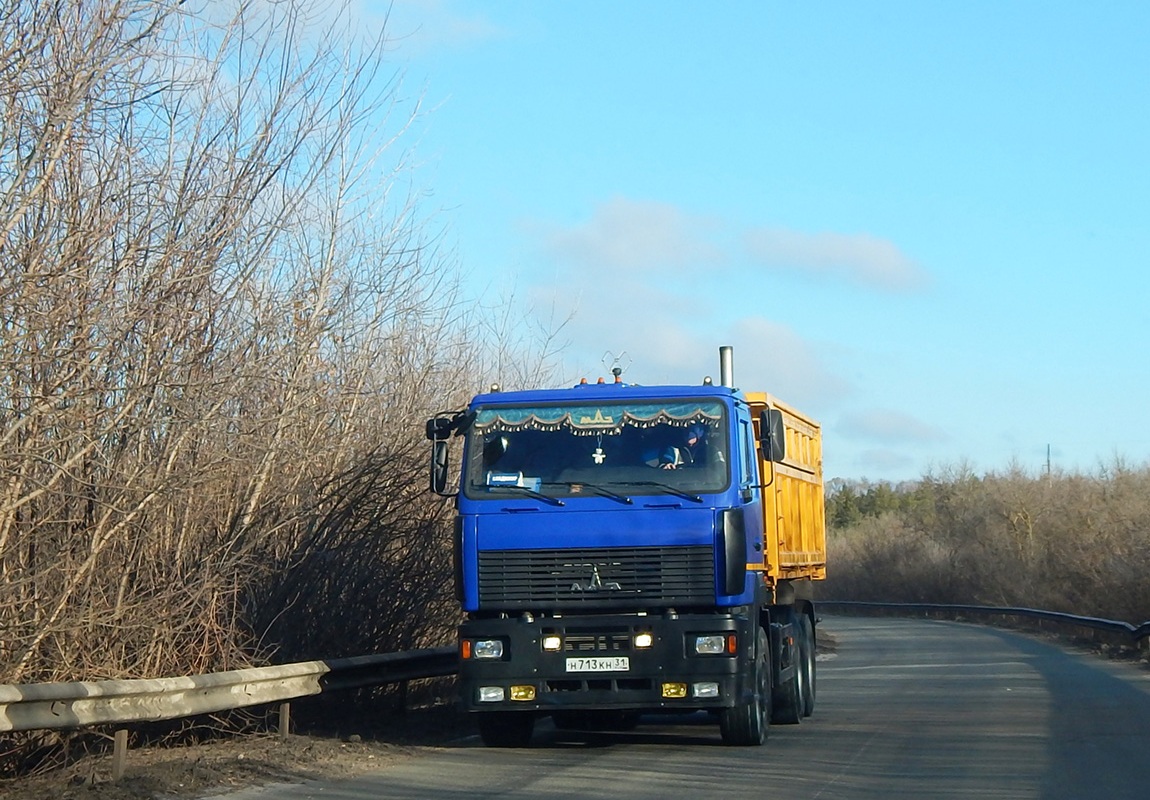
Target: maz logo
[(596, 583)]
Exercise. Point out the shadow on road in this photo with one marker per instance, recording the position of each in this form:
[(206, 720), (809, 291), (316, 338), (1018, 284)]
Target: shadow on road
[(1099, 731)]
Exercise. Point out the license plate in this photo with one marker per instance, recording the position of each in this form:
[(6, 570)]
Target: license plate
[(610, 664)]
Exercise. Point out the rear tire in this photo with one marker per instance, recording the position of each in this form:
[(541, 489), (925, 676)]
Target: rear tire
[(748, 723), (506, 728), (808, 664)]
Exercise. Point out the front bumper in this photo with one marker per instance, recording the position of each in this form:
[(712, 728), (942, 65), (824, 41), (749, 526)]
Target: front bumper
[(551, 681)]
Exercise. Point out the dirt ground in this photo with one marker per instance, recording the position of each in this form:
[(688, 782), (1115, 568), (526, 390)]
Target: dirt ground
[(254, 759)]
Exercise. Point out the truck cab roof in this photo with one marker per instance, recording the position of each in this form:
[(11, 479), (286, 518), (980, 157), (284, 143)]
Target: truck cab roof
[(603, 391)]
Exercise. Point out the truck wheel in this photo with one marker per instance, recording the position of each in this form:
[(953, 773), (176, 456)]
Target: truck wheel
[(506, 728), (748, 723), (788, 695), (808, 664)]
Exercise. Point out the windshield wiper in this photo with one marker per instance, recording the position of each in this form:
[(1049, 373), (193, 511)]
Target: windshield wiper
[(555, 501), (602, 491), (694, 498)]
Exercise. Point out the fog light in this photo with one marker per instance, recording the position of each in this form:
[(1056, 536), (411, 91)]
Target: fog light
[(643, 641), (674, 690), (487, 649), (552, 644), (491, 694), (705, 689), (522, 692), (710, 645)]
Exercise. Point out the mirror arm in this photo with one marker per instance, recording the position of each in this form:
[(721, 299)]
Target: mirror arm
[(772, 479)]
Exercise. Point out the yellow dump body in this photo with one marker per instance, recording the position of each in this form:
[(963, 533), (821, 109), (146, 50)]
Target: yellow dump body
[(794, 517)]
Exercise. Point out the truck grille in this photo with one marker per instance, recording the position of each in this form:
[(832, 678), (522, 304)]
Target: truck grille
[(623, 577), (606, 642)]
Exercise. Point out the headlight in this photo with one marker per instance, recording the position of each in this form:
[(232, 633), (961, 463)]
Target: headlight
[(643, 641), (552, 643), (487, 649), (491, 694), (710, 645)]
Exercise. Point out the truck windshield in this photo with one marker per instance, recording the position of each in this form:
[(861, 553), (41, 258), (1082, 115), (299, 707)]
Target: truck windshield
[(615, 450)]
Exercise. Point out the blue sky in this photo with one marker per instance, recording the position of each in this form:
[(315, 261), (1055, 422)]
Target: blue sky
[(925, 223)]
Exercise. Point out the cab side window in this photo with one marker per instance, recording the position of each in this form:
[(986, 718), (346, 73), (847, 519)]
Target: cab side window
[(750, 476)]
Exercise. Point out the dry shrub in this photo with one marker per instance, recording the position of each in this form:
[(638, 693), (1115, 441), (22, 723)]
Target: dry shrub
[(1069, 542), (881, 558)]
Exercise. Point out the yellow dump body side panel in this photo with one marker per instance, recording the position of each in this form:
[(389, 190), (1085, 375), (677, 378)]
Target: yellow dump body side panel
[(794, 515)]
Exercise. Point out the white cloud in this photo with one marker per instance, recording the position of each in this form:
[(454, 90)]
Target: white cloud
[(622, 314), (888, 426), (635, 235), (644, 277), (774, 358), (882, 462), (860, 258), (671, 337), (661, 284), (643, 236)]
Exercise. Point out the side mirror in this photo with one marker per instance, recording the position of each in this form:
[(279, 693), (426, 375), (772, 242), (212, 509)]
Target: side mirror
[(439, 429), (772, 435)]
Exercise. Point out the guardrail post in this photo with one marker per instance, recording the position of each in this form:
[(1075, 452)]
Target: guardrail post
[(285, 721), (119, 754), (401, 701)]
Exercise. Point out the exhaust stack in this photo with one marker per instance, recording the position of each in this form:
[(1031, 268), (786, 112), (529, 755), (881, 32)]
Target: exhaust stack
[(727, 366)]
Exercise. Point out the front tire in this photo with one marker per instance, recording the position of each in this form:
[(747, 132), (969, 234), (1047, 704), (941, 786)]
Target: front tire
[(506, 728), (748, 723)]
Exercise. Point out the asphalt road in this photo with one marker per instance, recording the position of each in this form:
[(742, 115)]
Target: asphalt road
[(906, 709)]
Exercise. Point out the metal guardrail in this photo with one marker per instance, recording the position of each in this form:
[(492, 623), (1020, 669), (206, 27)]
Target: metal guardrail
[(57, 706), (1110, 631), (53, 706)]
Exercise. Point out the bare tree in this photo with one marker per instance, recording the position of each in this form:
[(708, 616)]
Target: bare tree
[(222, 318)]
